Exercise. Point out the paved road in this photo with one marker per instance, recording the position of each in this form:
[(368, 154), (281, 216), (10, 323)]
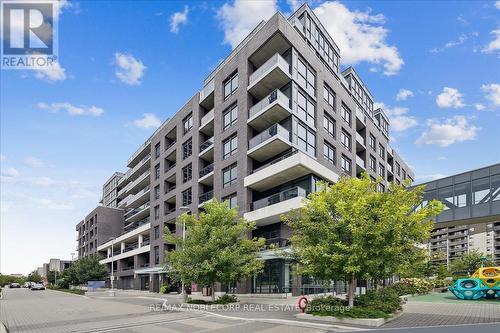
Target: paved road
[(23, 310)]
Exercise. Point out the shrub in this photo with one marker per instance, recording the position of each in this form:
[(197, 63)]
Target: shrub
[(226, 299), (441, 283), (413, 286), (386, 300), (163, 289), (196, 301), (62, 284), (323, 303)]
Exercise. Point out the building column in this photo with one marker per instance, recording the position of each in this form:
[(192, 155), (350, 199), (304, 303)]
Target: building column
[(141, 238), (109, 252), (122, 247)]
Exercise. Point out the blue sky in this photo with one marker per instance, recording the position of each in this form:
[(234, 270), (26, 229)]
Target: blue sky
[(124, 67)]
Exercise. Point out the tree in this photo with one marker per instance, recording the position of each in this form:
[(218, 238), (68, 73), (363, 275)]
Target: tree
[(216, 248), (351, 231), (471, 261), (34, 277), (85, 269), (52, 275)]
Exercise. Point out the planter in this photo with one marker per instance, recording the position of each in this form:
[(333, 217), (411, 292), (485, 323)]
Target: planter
[(372, 322)]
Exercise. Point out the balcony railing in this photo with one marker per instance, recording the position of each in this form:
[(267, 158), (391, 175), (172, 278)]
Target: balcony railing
[(130, 247), (276, 242), (206, 170), (206, 196), (360, 162), (170, 167), (138, 165), (276, 59), (279, 197), (145, 243), (127, 268), (273, 96), (207, 89), (136, 210), (360, 139), (275, 129), (206, 118), (206, 144), (137, 152), (132, 226), (170, 144), (170, 189), (276, 160)]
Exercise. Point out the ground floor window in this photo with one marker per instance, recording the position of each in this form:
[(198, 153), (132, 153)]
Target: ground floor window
[(275, 278)]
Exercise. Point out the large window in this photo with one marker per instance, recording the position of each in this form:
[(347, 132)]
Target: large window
[(231, 200), (346, 164), (157, 171), (187, 173), (187, 149), (157, 192), (157, 150), (373, 164), (462, 196), (188, 123), (345, 139), (329, 95), (187, 197), (381, 170), (230, 116), (229, 146), (330, 153), (329, 125), (230, 85), (381, 151), (480, 190), (157, 255), (306, 76), (346, 114), (157, 212), (306, 140), (305, 108), (398, 169), (445, 195), (372, 142), (230, 175), (157, 232), (495, 187)]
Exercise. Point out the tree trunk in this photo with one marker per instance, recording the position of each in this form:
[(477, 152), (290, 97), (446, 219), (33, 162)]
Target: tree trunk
[(352, 288), (213, 291)]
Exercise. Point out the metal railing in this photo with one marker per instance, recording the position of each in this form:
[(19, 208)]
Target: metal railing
[(277, 242), (170, 144), (130, 247), (136, 210), (206, 170), (275, 129), (276, 59), (138, 165), (207, 89), (170, 167), (206, 196), (134, 225), (170, 189), (279, 197), (275, 95), (206, 144)]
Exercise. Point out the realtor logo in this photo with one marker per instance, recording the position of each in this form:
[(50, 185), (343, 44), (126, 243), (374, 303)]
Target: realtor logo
[(28, 34)]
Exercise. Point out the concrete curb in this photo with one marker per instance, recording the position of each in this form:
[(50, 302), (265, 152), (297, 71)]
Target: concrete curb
[(371, 322)]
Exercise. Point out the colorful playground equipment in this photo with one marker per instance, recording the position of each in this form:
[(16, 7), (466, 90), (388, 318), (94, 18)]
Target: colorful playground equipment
[(484, 283)]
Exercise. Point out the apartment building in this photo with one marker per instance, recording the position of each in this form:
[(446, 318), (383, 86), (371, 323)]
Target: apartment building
[(272, 119), (471, 217), (110, 190)]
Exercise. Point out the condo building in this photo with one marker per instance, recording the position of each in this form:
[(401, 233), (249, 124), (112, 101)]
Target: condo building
[(471, 216), (276, 116)]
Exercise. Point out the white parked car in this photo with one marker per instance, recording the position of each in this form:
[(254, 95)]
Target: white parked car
[(37, 286)]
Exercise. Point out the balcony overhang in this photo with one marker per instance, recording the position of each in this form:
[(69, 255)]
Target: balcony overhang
[(208, 153), (207, 179), (297, 165), (143, 213), (143, 229), (139, 199), (207, 123), (271, 214), (273, 113), (127, 254), (269, 148), (272, 75)]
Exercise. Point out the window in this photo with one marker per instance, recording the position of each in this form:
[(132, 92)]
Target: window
[(229, 175), (480, 190), (346, 164), (398, 169), (230, 116), (305, 108), (157, 171), (380, 187), (157, 212), (329, 125), (495, 187), (157, 150), (187, 173), (381, 151), (188, 123), (330, 153), (157, 192), (346, 114), (231, 200), (404, 174), (187, 149), (329, 96), (445, 195), (372, 141), (157, 232), (381, 170), (345, 138), (462, 194), (187, 197), (229, 146), (230, 85), (306, 140), (305, 76), (157, 255), (373, 164)]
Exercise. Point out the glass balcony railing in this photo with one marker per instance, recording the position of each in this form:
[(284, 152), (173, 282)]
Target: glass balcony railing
[(206, 170), (276, 95), (276, 242), (206, 144), (275, 129), (275, 60), (206, 196), (276, 160), (207, 118), (279, 197), (132, 226)]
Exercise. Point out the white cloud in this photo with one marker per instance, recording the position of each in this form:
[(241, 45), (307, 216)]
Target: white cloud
[(148, 120), (494, 45), (360, 36), (294, 4), (10, 172), (479, 106), (452, 43), (3, 158), (241, 17), (450, 98), (492, 92), (129, 70), (398, 117), (447, 132), (177, 19), (72, 110), (52, 74), (33, 162), (497, 5), (403, 94)]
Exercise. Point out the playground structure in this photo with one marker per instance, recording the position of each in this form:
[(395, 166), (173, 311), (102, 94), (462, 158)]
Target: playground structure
[(484, 283)]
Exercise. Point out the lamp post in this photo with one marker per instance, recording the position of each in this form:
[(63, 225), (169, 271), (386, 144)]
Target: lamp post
[(112, 292), (183, 209)]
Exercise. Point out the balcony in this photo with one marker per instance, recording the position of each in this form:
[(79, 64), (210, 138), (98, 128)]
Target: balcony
[(207, 123), (139, 154), (390, 169), (141, 182), (137, 214), (207, 150), (360, 143), (207, 175), (289, 166), (140, 167), (273, 74), (360, 165), (206, 197), (270, 110), (134, 225), (207, 95), (269, 143), (276, 243), (268, 210)]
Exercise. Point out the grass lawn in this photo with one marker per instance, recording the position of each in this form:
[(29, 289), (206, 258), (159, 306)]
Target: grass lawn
[(70, 291), (448, 297)]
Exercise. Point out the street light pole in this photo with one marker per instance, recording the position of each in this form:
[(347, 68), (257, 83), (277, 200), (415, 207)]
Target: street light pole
[(183, 209), (112, 292)]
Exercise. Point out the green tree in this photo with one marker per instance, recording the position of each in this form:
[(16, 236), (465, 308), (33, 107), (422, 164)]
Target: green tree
[(34, 277), (52, 276), (85, 269), (442, 272), (351, 231), (471, 261), (216, 248)]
